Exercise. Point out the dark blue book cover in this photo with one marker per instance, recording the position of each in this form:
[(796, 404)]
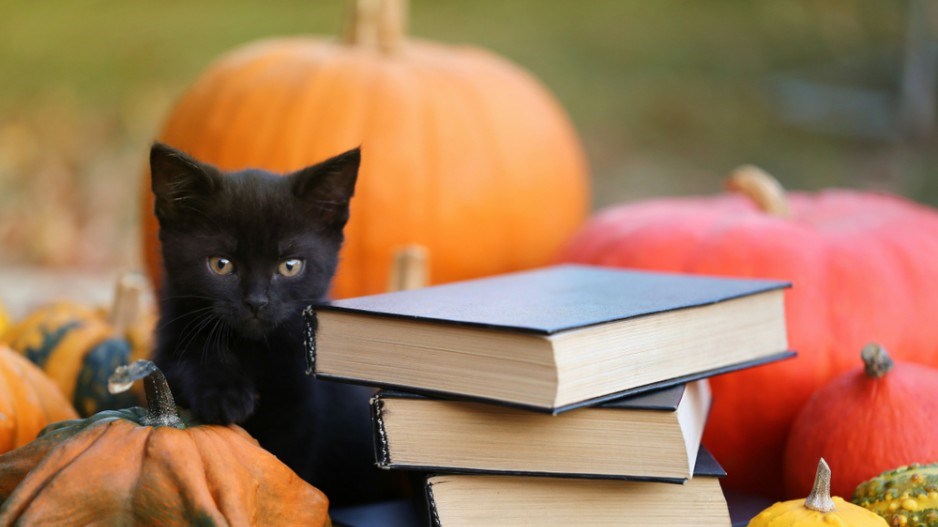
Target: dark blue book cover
[(555, 299)]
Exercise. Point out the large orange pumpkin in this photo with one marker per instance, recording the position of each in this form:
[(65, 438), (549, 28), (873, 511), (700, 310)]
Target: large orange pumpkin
[(462, 151), (863, 267)]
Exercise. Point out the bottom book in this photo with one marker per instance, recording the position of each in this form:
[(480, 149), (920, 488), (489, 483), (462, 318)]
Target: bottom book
[(495, 500)]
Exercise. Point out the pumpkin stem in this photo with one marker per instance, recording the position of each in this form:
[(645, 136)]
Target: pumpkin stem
[(820, 497), (763, 189), (876, 361), (376, 24), (409, 269), (125, 309), (161, 408)]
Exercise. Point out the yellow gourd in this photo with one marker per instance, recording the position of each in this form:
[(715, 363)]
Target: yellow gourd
[(817, 509), (4, 320)]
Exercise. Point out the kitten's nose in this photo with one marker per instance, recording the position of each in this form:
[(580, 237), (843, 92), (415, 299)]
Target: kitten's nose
[(256, 302)]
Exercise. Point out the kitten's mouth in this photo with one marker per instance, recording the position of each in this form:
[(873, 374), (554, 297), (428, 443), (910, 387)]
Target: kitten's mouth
[(254, 326)]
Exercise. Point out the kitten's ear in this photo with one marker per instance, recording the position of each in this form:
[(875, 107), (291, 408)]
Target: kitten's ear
[(178, 181), (327, 188)]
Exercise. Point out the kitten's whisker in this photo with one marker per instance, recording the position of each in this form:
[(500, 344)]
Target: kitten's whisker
[(221, 340), (190, 313), (205, 343), (188, 337), (187, 342), (209, 342), (220, 346), (197, 319), (228, 337), (226, 342)]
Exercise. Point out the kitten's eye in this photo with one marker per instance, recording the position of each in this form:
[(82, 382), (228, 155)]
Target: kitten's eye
[(291, 267), (220, 266)]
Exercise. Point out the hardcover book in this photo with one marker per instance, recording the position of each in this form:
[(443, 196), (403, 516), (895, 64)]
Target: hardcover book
[(457, 500), (555, 338), (649, 436)]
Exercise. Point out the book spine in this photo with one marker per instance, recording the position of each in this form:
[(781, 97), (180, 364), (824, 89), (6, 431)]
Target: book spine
[(431, 505), (382, 451), (311, 324)]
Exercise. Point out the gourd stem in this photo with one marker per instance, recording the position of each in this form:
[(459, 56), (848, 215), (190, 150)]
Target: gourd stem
[(820, 497), (125, 309), (376, 24), (876, 362), (409, 269), (161, 407), (763, 189)]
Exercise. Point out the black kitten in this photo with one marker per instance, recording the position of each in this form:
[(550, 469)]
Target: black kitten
[(244, 253)]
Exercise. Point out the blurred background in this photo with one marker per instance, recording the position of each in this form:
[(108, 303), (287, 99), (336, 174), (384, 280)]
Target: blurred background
[(667, 97)]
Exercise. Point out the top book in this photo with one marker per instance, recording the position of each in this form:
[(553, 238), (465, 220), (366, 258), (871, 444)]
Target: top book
[(554, 338)]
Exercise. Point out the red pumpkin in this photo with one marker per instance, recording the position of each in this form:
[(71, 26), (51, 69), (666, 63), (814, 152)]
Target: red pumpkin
[(462, 151), (866, 421), (862, 264)]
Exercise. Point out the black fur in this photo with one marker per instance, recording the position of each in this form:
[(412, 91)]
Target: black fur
[(231, 345)]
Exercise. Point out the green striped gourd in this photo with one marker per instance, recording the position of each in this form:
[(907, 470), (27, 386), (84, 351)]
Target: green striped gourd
[(78, 346), (906, 496)]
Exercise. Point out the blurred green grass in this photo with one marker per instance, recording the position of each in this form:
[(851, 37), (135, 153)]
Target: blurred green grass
[(668, 96)]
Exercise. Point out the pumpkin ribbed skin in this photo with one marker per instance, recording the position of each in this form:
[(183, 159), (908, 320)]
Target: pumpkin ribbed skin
[(906, 496), (109, 469), (28, 401), (862, 267), (863, 425), (116, 469), (462, 152), (78, 348)]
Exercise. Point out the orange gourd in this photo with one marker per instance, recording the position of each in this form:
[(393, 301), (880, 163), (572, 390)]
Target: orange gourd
[(462, 152), (28, 401), (151, 467)]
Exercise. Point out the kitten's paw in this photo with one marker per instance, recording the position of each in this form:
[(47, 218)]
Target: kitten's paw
[(224, 405)]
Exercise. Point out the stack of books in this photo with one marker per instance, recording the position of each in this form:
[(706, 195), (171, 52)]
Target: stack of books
[(570, 395)]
